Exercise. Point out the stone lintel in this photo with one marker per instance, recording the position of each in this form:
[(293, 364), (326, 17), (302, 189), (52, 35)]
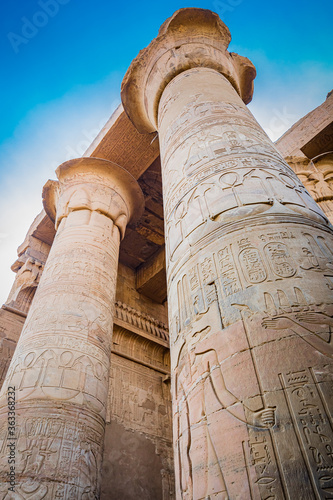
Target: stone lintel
[(320, 143), (151, 277), (306, 130), (120, 142)]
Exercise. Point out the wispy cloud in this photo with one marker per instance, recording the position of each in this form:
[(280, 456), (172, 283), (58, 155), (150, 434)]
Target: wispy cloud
[(48, 136)]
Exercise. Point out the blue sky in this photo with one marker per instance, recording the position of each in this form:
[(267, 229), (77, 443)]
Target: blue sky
[(63, 62)]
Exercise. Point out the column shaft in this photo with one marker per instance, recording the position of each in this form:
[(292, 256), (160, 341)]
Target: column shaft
[(250, 311), (60, 369)]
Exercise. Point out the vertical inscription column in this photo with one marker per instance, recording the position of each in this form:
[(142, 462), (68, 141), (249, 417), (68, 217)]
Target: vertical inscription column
[(60, 369), (250, 277)]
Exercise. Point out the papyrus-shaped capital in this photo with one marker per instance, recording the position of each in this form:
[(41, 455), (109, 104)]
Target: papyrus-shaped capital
[(96, 185), (189, 39)]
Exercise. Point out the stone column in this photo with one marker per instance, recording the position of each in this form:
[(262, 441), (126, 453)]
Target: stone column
[(60, 370), (250, 310), (317, 177)]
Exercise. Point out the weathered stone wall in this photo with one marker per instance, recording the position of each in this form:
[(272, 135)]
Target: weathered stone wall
[(138, 458)]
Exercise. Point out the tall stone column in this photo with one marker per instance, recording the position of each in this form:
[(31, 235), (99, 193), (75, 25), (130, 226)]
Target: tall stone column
[(250, 277), (60, 370)]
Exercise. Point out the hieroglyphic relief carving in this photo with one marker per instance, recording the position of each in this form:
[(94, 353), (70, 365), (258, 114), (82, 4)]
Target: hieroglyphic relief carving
[(7, 348), (196, 408), (227, 270), (230, 195), (220, 135), (311, 323), (251, 262), (280, 259), (57, 447), (312, 426), (284, 187), (260, 258), (139, 398), (262, 466), (80, 378)]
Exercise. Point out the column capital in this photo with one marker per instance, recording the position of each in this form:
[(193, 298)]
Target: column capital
[(189, 39), (94, 184)]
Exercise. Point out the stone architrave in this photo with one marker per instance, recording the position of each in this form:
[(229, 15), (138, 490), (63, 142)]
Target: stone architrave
[(250, 276), (60, 369)]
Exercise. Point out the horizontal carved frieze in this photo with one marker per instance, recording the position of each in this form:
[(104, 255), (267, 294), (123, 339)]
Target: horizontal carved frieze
[(141, 323)]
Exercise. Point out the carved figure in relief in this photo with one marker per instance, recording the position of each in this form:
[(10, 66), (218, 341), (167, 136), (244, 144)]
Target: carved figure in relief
[(319, 185), (303, 319), (316, 254), (198, 150), (209, 142), (193, 465), (28, 276), (213, 141), (201, 394), (40, 438), (202, 389), (87, 465)]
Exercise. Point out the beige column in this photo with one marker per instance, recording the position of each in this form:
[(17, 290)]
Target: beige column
[(250, 311), (60, 370)]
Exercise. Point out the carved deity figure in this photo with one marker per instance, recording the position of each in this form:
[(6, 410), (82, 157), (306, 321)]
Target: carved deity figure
[(203, 402)]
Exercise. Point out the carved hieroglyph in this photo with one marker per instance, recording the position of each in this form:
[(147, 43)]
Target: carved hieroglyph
[(250, 277), (60, 369)]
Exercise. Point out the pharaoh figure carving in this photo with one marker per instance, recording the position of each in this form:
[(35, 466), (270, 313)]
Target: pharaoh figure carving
[(250, 276), (60, 368)]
